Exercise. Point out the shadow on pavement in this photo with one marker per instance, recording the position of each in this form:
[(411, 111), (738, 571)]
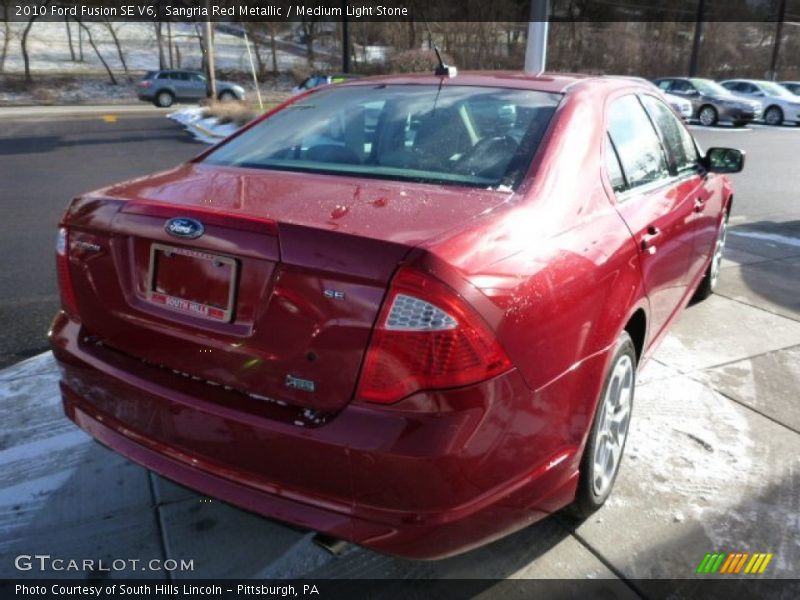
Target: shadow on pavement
[(768, 275)]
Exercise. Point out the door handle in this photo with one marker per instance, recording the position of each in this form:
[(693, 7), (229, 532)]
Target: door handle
[(699, 204), (649, 238)]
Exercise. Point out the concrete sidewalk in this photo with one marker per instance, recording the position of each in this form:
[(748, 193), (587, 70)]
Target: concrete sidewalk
[(712, 465)]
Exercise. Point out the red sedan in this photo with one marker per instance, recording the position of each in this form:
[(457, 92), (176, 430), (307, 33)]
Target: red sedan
[(407, 312)]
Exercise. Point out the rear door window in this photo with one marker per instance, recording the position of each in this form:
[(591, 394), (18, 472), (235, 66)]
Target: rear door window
[(680, 86), (678, 141), (637, 143)]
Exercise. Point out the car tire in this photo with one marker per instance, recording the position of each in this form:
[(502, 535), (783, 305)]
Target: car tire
[(226, 96), (707, 115), (710, 278), (773, 116), (164, 99), (606, 442)]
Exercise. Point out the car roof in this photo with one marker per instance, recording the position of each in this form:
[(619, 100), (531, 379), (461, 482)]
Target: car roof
[(557, 83), (747, 80)]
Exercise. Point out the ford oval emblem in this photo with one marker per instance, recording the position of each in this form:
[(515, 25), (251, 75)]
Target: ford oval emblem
[(184, 227)]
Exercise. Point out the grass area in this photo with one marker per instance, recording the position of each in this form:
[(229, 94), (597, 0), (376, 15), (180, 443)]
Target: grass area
[(239, 113)]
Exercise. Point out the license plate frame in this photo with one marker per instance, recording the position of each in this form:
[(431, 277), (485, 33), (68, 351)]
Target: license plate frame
[(187, 306)]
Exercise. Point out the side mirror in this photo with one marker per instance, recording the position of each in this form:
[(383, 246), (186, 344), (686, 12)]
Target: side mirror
[(723, 160)]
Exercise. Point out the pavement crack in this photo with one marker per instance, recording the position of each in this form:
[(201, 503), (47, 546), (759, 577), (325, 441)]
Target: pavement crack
[(562, 522), (750, 408), (690, 372), (761, 308), (159, 520)]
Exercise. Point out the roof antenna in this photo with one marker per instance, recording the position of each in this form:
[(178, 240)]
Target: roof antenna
[(442, 70)]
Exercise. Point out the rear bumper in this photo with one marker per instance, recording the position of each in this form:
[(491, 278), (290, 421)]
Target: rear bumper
[(400, 480)]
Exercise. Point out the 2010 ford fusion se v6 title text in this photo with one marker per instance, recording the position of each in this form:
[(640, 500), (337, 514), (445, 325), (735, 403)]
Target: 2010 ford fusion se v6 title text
[(406, 311)]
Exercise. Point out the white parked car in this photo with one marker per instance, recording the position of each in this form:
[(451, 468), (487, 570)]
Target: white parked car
[(779, 103), (680, 105)]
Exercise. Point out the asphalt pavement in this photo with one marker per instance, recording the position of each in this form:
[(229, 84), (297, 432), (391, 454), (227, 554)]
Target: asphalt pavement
[(712, 463), (45, 160)]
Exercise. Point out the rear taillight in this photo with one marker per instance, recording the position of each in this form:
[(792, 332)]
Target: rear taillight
[(68, 302), (426, 338), (145, 83)]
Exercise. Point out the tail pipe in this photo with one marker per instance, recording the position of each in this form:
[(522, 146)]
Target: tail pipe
[(331, 544)]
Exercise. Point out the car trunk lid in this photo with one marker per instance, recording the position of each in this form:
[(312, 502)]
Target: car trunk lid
[(278, 295)]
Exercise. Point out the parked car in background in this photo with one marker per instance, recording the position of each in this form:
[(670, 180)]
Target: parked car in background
[(681, 106), (711, 103), (779, 103), (317, 80), (792, 86), (164, 88), (418, 330)]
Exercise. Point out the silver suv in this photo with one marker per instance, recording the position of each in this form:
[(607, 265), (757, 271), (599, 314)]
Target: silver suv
[(163, 88), (779, 103)]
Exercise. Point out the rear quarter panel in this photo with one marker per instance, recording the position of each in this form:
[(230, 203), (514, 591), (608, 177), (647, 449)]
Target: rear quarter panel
[(557, 267)]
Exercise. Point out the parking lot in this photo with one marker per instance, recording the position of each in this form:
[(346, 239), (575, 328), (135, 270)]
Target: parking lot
[(712, 463)]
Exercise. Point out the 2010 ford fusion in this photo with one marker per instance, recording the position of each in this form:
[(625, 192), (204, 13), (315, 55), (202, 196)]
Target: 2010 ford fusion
[(407, 312)]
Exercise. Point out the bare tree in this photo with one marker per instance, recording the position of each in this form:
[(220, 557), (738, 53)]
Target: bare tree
[(199, 33), (97, 51), (160, 44), (253, 32), (110, 26), (309, 27), (69, 38), (24, 46), (6, 4), (169, 44), (80, 44), (272, 28)]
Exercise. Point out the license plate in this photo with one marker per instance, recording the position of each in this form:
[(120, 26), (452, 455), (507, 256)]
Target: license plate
[(192, 282)]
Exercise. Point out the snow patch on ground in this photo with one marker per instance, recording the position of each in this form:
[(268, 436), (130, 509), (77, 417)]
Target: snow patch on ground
[(694, 444), (769, 237)]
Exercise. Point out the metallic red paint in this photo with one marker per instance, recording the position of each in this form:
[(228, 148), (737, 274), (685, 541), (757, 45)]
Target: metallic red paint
[(555, 269)]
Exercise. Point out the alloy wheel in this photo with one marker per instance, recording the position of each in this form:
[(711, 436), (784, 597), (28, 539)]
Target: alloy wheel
[(612, 427), (773, 116), (708, 116), (164, 99)]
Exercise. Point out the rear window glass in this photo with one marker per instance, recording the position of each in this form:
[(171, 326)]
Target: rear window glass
[(456, 135)]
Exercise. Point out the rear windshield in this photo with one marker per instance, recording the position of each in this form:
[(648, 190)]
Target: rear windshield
[(456, 135)]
